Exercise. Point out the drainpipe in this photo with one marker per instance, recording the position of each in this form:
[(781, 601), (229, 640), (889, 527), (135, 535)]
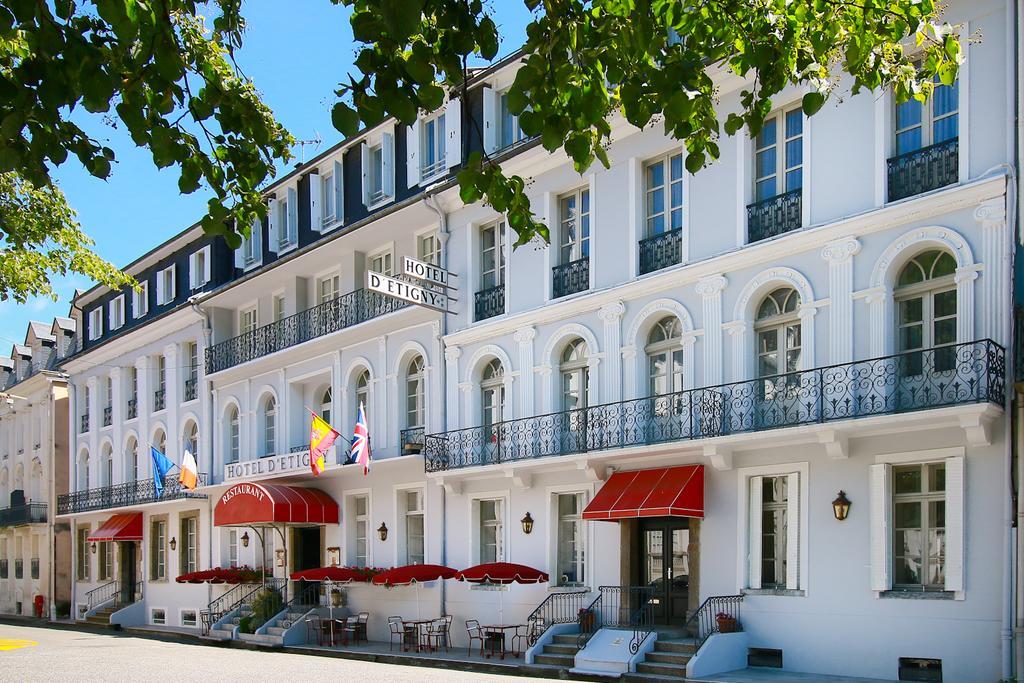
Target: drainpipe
[(72, 486), (430, 201), (208, 395)]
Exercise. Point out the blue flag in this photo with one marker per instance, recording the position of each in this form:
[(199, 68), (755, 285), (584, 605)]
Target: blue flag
[(161, 466)]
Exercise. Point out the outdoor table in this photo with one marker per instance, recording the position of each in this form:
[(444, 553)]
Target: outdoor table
[(415, 633), (495, 634), (342, 628)]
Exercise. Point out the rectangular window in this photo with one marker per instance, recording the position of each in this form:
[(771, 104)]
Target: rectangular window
[(158, 616), (414, 548), (376, 173), (278, 308), (429, 249), (774, 501), (106, 561), (774, 531), (286, 231), (247, 320), (919, 526), (432, 147), (663, 194), (381, 263), (140, 300), (571, 554), (361, 518), (165, 292), (199, 268), (329, 288), (133, 385), (161, 373), (574, 226), (250, 246), (188, 617), (509, 132), (117, 312), (327, 207), (924, 124), (96, 323), (492, 255), (157, 550), (82, 555), (188, 558), (778, 155), (232, 548), (192, 356), (490, 524)]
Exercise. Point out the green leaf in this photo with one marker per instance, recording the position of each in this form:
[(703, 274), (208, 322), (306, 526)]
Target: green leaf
[(812, 102), (345, 119)]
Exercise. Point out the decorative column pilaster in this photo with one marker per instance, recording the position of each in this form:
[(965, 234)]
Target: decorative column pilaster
[(995, 304), (380, 401), (142, 408), (630, 378), (839, 255), (524, 337), (435, 378), (964, 280), (806, 315), (172, 399), (611, 314), (451, 357), (710, 290), (283, 436), (879, 301)]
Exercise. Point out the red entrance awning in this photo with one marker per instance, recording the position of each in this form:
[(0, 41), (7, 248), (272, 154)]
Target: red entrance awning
[(124, 527), (662, 492), (255, 504)]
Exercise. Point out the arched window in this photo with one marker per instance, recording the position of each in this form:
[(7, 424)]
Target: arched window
[(363, 392), (326, 401), (83, 471), (160, 441), (575, 373), (415, 393), (107, 464), (234, 435), (192, 439), (269, 426), (665, 357), (926, 305), (492, 393), (778, 333), (131, 458)]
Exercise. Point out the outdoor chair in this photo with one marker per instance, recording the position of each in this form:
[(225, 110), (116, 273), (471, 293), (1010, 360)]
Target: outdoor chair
[(522, 637), (396, 630), (475, 633), (361, 627), (314, 630), (438, 633)]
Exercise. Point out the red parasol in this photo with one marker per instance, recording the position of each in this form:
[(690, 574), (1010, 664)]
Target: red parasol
[(332, 574), (413, 573), (501, 573)]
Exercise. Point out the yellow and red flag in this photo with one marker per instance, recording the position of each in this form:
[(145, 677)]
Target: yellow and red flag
[(321, 438)]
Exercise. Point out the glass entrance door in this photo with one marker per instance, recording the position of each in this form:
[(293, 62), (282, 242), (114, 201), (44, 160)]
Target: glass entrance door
[(666, 569)]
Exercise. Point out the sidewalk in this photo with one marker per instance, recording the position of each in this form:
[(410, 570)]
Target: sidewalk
[(759, 675)]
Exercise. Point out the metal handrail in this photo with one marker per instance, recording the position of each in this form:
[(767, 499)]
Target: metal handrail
[(242, 594), (98, 596), (412, 439), (557, 608), (588, 619), (956, 374), (704, 621)]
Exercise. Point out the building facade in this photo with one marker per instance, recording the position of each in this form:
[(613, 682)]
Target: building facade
[(665, 401)]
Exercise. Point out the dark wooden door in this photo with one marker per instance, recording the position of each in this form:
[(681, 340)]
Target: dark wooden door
[(665, 567)]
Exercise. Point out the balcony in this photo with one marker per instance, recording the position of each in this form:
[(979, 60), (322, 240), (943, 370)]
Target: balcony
[(774, 216), (159, 399), (83, 423), (570, 278), (661, 251), (331, 316), (946, 376), (125, 495), (412, 440), (191, 389), (132, 409), (488, 303), (923, 170), (25, 513), (108, 416)]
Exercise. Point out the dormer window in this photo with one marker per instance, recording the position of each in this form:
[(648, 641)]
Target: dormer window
[(378, 170), (250, 252), (326, 198), (117, 312), (432, 147), (284, 222), (96, 323), (140, 300), (501, 126), (165, 286), (199, 268)]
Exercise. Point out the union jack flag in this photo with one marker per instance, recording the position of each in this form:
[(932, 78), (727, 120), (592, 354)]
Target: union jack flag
[(361, 442)]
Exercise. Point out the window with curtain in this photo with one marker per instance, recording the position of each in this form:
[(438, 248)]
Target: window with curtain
[(492, 255), (919, 526), (415, 393), (158, 550)]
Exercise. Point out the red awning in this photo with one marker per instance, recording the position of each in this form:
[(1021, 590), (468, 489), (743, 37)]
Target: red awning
[(254, 504), (662, 492), (124, 527)]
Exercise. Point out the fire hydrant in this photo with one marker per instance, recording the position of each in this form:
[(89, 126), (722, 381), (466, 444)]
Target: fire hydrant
[(37, 606)]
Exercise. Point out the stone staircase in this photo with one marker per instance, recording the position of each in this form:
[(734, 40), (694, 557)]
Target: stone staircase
[(274, 636), (225, 630), (666, 663), (102, 616), (559, 653)]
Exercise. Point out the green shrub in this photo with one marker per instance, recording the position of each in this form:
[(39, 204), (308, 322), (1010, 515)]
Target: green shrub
[(245, 625), (265, 605)]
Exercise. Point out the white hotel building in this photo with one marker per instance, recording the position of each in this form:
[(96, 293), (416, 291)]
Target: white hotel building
[(674, 392)]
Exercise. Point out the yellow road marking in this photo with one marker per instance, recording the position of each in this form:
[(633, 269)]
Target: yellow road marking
[(13, 644)]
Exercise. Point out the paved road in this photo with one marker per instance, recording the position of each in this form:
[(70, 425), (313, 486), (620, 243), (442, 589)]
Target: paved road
[(43, 654)]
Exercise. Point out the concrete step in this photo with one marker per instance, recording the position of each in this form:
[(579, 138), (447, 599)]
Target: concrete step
[(681, 646), (275, 631), (670, 670), (559, 649), (566, 639), (677, 658), (564, 661), (647, 678)]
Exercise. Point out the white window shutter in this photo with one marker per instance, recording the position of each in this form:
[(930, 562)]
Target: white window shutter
[(881, 566), (453, 132), (240, 252), (174, 283), (193, 275), (272, 231), (293, 216), (793, 532), (315, 210), (364, 150), (754, 534), (387, 149), (339, 192), (207, 264), (160, 288), (412, 153), (955, 524), (490, 120), (256, 234)]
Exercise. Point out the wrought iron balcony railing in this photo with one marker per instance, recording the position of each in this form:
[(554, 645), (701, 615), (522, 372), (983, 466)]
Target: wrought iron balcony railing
[(570, 278), (191, 389), (123, 495), (159, 399), (412, 440), (661, 251), (950, 375), (923, 170), (774, 216), (132, 408), (108, 416), (488, 303), (84, 423), (337, 314), (26, 513)]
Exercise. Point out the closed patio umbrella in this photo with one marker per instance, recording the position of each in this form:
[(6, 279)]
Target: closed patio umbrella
[(413, 574), (501, 574)]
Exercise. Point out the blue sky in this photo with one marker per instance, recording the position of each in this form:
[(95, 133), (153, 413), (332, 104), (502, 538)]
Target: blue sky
[(296, 57)]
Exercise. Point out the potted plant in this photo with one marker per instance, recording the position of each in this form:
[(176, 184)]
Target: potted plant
[(726, 623), (586, 619), (338, 598)]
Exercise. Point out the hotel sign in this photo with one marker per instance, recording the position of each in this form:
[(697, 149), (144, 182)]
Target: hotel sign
[(426, 271), (407, 291), (269, 466)]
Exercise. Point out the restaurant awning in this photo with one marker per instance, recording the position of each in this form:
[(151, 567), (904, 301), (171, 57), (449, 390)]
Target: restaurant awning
[(661, 492), (123, 527), (254, 504)]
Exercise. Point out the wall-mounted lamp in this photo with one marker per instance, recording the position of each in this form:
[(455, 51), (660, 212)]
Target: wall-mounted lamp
[(174, 543), (841, 506), (279, 554), (334, 556), (382, 531), (527, 522), (245, 539), (93, 547)]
